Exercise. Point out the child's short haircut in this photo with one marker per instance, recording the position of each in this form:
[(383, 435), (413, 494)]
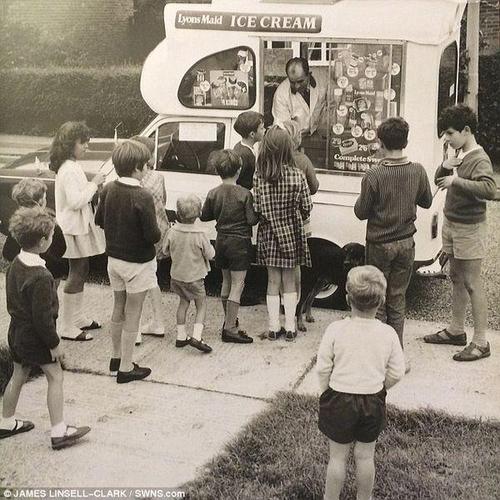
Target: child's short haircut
[(128, 156), (29, 225), (366, 286), (393, 133), (225, 162), (457, 117), (28, 192), (188, 208), (247, 122)]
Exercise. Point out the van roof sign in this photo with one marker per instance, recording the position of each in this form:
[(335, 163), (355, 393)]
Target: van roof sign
[(247, 21)]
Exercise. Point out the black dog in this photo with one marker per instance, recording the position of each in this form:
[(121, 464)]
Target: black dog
[(330, 265)]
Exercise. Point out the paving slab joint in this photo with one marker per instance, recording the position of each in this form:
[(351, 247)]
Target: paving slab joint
[(301, 378)]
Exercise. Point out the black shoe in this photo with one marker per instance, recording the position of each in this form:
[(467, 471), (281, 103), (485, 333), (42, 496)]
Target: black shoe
[(239, 337), (69, 439), (114, 365), (182, 343), (137, 373), (290, 336), (200, 345)]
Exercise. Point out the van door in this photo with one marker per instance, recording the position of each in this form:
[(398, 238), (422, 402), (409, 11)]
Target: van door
[(183, 146)]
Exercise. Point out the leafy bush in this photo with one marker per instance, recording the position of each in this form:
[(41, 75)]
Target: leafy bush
[(38, 100), (24, 45), (489, 102)]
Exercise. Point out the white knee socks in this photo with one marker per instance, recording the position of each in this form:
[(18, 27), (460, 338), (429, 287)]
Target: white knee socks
[(290, 304), (69, 307), (273, 309)]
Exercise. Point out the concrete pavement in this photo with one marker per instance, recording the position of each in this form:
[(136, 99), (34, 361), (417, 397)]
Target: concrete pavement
[(161, 431)]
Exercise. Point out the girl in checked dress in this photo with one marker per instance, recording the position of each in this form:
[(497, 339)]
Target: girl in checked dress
[(283, 202)]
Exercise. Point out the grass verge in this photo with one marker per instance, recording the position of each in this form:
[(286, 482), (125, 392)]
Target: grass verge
[(421, 455)]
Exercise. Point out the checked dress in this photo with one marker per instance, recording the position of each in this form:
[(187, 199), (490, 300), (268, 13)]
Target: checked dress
[(282, 208)]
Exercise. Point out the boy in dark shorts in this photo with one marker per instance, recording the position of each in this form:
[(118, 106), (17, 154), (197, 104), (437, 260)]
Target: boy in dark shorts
[(232, 207), (469, 182), (250, 125), (358, 359), (191, 251), (33, 341)]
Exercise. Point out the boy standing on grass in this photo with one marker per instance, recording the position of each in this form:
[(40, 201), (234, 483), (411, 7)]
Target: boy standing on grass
[(250, 125), (358, 359), (33, 341), (232, 207), (390, 193), (126, 212), (191, 252), (469, 182)]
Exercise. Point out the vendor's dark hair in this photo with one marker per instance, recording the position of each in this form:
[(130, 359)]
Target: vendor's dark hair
[(297, 60), (64, 142), (457, 117), (393, 133)]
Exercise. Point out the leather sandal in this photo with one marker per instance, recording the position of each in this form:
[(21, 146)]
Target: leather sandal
[(93, 326), (69, 439), (21, 426), (290, 336), (473, 352), (82, 337), (445, 337)]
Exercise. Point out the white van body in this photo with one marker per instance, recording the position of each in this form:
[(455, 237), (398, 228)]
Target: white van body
[(421, 29)]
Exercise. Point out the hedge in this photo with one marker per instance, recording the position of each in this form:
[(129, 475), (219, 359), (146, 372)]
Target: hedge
[(38, 100)]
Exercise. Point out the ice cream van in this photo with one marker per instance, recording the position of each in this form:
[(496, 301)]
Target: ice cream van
[(372, 58)]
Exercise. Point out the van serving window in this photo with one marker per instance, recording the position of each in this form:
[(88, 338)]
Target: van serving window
[(224, 80)]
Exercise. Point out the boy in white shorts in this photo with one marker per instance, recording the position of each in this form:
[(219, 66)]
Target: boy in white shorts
[(126, 212)]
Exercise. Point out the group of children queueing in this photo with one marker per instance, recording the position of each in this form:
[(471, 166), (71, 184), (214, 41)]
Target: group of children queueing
[(358, 358)]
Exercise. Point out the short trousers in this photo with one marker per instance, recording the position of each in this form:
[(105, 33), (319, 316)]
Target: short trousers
[(37, 357), (233, 253), (465, 241), (132, 277), (188, 291), (345, 418)]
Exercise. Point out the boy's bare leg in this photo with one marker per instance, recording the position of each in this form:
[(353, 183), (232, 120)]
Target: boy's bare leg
[(11, 394), (471, 271), (182, 309), (155, 294), (226, 288), (364, 454), (460, 297), (199, 322), (55, 395), (233, 302), (335, 472), (133, 310), (117, 319)]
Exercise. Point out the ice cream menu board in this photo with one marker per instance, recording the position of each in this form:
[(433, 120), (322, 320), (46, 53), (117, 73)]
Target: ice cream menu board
[(229, 89), (364, 89)]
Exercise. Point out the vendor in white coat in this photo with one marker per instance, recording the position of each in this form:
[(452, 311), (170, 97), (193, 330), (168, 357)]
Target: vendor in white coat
[(299, 97)]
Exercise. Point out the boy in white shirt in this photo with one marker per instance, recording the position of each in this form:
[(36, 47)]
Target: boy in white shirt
[(358, 359)]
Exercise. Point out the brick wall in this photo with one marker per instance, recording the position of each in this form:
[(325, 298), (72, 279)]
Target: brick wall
[(100, 24), (490, 25)]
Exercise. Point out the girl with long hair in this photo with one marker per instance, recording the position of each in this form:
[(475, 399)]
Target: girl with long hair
[(75, 216), (283, 202)]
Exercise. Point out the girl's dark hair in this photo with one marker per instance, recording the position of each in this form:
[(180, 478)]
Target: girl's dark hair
[(64, 142), (276, 151)]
